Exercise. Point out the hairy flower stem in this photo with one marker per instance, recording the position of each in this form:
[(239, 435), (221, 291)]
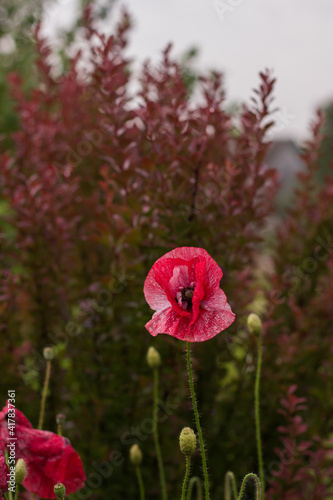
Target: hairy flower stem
[(140, 482), (44, 394), (187, 473), (156, 438), (257, 418), (256, 480), (197, 421), (9, 493), (194, 481), (230, 488)]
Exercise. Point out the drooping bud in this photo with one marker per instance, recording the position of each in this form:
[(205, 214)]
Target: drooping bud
[(48, 353), (60, 490), (254, 324), (135, 455), (153, 357), (20, 471), (187, 441)]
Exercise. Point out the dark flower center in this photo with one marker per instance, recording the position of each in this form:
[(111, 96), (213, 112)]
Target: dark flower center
[(184, 297)]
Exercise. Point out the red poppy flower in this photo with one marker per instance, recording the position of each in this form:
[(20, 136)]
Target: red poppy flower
[(3, 475), (49, 458), (183, 287)]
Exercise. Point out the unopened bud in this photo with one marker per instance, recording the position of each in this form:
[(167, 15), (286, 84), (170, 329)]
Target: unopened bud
[(254, 324), (187, 441), (59, 490), (153, 357), (20, 471), (135, 455), (48, 353)]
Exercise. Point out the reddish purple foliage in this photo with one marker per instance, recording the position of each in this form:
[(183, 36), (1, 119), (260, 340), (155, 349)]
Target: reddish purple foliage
[(98, 185), (299, 328), (89, 164), (304, 468)]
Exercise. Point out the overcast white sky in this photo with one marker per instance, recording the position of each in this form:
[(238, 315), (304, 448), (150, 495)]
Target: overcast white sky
[(241, 38)]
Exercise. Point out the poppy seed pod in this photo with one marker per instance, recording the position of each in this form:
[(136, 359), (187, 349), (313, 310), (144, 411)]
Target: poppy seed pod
[(20, 471), (254, 324), (187, 441), (135, 455), (59, 490), (153, 357)]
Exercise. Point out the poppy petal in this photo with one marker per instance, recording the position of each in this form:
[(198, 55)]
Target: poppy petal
[(191, 316)]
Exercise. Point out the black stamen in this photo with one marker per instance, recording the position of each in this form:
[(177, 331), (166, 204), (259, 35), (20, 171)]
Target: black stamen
[(187, 295)]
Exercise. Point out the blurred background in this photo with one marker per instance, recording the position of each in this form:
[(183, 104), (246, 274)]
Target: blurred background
[(239, 38), (116, 148)]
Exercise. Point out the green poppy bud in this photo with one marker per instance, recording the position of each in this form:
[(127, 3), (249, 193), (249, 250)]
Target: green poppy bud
[(153, 358), (254, 324), (187, 441), (135, 455), (60, 490), (48, 353), (20, 471)]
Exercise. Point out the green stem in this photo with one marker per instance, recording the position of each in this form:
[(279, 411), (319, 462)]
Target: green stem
[(44, 394), (156, 438), (194, 481), (187, 473), (256, 480), (257, 417), (9, 493), (197, 421), (230, 488), (16, 491), (140, 482)]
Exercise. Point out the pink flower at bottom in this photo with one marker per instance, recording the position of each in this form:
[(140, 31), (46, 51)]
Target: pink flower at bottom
[(183, 287), (4, 471), (49, 458)]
